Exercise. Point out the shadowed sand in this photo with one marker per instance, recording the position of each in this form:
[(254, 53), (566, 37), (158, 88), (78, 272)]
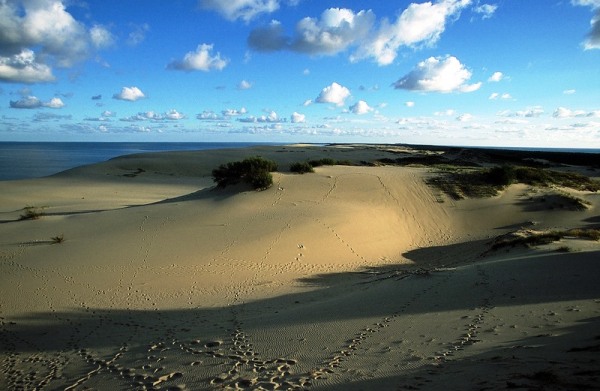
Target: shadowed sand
[(350, 278)]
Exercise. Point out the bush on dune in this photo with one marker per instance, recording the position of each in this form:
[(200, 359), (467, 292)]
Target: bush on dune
[(254, 171), (301, 167)]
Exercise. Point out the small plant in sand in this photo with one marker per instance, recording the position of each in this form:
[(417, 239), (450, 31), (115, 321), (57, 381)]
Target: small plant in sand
[(58, 239), (255, 171), (32, 213)]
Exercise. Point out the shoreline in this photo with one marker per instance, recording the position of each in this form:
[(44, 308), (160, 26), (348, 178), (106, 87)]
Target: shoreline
[(354, 277)]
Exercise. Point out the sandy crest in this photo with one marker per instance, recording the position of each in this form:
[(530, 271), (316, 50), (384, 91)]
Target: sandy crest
[(348, 278)]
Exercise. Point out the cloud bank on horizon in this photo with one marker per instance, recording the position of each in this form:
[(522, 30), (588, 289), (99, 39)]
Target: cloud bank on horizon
[(470, 72)]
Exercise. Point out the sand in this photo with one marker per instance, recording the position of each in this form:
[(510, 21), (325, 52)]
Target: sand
[(349, 278)]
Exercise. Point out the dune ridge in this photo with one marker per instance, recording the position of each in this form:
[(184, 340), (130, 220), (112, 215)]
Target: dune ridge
[(352, 277)]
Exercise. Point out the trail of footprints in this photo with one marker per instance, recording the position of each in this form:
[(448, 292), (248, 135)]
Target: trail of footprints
[(247, 370)]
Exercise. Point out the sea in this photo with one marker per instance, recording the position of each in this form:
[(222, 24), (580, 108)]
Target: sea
[(26, 160)]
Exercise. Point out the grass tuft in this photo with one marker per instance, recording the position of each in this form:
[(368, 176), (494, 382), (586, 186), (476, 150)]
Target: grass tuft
[(32, 213)]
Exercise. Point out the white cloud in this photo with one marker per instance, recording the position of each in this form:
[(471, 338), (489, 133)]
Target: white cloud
[(496, 77), (32, 102), (23, 68), (593, 37), (240, 9), (529, 112), (438, 74), (307, 102), (130, 94), (421, 24), (504, 96), (333, 32), (563, 112), (101, 37), (208, 115), (466, 117), (361, 107), (335, 93), (409, 104), (234, 112), (569, 92), (138, 34), (54, 103), (46, 27), (486, 10), (244, 85), (298, 118), (337, 29), (174, 115), (200, 60), (271, 117)]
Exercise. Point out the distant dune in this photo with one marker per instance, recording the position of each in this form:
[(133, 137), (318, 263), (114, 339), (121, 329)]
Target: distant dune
[(381, 273)]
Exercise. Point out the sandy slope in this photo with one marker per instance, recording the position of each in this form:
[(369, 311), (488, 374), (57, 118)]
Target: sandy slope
[(164, 282)]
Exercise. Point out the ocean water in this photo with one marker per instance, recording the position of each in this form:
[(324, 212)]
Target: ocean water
[(24, 160)]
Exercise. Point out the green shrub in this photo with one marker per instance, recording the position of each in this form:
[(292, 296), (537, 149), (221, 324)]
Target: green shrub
[(322, 162), (255, 171), (500, 176), (301, 167)]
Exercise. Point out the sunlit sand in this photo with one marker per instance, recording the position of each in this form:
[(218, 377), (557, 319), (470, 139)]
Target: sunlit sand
[(349, 278)]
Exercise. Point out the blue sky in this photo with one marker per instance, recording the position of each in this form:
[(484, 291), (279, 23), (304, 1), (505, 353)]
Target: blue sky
[(452, 72)]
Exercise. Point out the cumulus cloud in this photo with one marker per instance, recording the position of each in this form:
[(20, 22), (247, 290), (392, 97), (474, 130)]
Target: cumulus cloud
[(101, 37), (335, 93), (130, 94), (438, 74), (234, 112), (593, 37), (208, 115), (361, 107), (409, 104), (485, 10), (504, 96), (563, 112), (271, 117), (200, 60), (418, 25), (46, 27), (496, 77), (529, 112), (466, 117), (337, 29), (569, 92), (32, 102), (240, 9), (23, 68), (333, 32), (298, 118), (54, 103), (137, 34), (174, 115)]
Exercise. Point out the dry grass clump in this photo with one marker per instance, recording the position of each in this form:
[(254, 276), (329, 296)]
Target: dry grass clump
[(58, 239), (32, 213)]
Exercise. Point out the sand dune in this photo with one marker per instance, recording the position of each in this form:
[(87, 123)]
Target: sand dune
[(349, 278)]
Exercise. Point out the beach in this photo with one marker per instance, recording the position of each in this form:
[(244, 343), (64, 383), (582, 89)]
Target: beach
[(138, 273)]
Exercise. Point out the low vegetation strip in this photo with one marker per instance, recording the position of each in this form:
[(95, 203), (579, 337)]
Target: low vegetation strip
[(474, 183), (534, 238)]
